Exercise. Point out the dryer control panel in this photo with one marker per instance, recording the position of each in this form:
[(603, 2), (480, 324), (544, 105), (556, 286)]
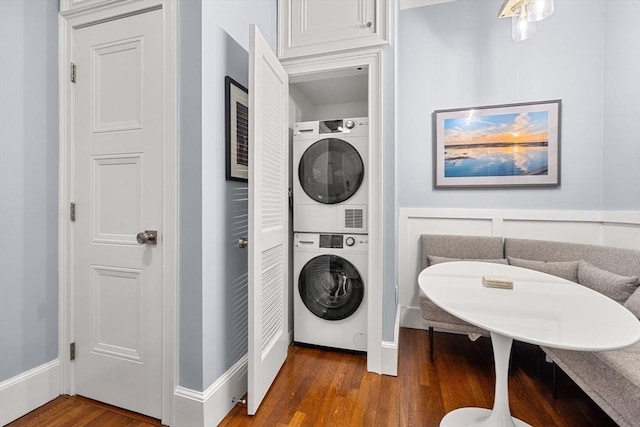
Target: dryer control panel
[(356, 126)]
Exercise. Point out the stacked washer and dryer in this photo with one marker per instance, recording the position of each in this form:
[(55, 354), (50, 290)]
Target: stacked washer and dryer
[(330, 252)]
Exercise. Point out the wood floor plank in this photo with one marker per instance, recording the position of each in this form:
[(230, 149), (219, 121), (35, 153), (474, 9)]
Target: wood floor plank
[(325, 388), (78, 411)]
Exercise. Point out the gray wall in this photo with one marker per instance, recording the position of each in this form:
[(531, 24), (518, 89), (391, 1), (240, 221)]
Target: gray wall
[(190, 187), (224, 326), (389, 184), (234, 293), (459, 54), (621, 142), (28, 185)]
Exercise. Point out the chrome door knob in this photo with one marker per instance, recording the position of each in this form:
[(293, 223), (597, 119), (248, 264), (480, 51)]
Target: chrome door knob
[(147, 237), (243, 243)]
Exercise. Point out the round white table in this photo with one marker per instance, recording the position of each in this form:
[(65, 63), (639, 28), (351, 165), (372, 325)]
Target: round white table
[(540, 309)]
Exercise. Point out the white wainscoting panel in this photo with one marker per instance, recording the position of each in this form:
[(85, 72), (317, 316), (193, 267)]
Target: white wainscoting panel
[(209, 407), (607, 228), (573, 231), (25, 392), (621, 229)]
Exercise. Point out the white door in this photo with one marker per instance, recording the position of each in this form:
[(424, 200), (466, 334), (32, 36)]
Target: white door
[(268, 218), (118, 182)]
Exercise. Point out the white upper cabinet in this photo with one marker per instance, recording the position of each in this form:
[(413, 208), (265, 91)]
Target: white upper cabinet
[(309, 27)]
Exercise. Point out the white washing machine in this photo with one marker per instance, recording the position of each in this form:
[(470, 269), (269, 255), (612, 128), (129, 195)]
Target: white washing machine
[(330, 189), (330, 272)]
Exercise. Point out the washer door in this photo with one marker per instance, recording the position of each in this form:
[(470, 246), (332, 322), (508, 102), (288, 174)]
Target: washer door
[(331, 171), (331, 287)]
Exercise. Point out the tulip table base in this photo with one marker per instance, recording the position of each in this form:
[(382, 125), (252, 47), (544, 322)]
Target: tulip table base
[(472, 417), (500, 416)]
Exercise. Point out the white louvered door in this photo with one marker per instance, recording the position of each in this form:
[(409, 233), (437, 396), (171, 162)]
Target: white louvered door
[(268, 218)]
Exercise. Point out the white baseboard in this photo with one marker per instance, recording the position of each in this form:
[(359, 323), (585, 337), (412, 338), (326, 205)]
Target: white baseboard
[(209, 407), (30, 390), (390, 350)]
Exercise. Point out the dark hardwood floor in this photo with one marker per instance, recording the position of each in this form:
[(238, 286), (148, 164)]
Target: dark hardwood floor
[(79, 411), (318, 387)]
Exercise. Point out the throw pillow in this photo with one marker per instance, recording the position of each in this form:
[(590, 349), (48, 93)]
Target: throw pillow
[(440, 259), (633, 303), (565, 269), (618, 288)]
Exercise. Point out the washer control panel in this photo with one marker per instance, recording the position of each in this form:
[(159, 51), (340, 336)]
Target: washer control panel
[(331, 241)]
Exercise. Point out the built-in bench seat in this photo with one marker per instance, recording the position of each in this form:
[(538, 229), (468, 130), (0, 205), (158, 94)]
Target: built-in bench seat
[(612, 378)]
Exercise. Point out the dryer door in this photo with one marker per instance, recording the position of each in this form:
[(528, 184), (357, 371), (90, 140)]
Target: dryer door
[(331, 287), (331, 171)]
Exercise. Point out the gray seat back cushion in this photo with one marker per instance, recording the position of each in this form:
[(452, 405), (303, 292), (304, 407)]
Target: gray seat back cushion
[(466, 247), (625, 262), (618, 288), (565, 269), (433, 260), (633, 303)]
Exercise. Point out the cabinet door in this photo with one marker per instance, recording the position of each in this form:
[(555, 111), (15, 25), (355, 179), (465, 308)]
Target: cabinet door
[(308, 27)]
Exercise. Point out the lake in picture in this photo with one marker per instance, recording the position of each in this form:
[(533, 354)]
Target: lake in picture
[(496, 145)]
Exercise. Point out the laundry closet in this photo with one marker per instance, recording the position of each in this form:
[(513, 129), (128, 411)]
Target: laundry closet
[(329, 172)]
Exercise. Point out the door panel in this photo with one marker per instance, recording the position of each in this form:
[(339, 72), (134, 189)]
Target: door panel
[(268, 218), (118, 183)]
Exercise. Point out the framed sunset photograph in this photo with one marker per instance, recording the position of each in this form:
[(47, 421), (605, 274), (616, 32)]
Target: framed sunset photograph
[(498, 145)]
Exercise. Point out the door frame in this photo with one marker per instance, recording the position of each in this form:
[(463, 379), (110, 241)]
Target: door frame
[(373, 60), (76, 14)]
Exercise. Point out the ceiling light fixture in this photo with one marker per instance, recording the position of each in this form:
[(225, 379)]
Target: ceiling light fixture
[(524, 15)]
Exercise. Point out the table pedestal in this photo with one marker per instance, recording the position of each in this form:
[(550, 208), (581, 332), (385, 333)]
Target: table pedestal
[(500, 416)]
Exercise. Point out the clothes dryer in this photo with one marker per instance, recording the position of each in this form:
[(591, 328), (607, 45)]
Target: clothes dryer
[(330, 164), (330, 290)]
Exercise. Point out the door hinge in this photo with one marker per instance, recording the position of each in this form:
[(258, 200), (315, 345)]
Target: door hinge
[(72, 351), (72, 211), (72, 72), (290, 198)]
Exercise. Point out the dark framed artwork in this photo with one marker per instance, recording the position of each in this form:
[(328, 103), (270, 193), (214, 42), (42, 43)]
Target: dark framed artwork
[(497, 146), (236, 130)]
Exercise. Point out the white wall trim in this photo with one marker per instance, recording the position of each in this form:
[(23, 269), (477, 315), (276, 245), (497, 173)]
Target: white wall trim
[(29, 390), (608, 228), (372, 59), (390, 350), (77, 14), (209, 407)]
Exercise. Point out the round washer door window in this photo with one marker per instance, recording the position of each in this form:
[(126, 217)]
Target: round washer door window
[(330, 171), (331, 287)]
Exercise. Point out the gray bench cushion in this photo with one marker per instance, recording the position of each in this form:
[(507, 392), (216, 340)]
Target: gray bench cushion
[(436, 317), (466, 247), (565, 269), (618, 288), (433, 260), (625, 262), (633, 303), (461, 247), (610, 378)]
